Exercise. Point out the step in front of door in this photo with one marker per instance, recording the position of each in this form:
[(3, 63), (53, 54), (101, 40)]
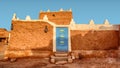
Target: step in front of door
[(61, 54), (61, 58)]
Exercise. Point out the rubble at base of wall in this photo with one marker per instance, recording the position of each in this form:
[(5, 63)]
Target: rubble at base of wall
[(95, 54), (77, 53), (26, 53), (119, 53)]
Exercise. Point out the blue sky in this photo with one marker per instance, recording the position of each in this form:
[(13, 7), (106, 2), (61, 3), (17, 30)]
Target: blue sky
[(83, 10)]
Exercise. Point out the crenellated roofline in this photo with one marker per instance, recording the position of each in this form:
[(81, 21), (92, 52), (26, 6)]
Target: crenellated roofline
[(61, 10), (73, 26)]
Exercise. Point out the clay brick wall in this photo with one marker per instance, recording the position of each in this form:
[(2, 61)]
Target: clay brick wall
[(30, 35), (59, 18), (94, 40), (3, 32), (119, 44), (3, 41), (3, 36), (119, 36)]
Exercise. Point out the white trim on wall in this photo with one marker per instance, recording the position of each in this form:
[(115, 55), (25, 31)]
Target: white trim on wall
[(54, 37), (69, 40)]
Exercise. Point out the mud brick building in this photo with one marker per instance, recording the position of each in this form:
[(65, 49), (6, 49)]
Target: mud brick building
[(3, 36), (56, 32)]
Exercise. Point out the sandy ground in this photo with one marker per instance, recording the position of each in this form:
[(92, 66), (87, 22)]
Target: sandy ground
[(78, 63)]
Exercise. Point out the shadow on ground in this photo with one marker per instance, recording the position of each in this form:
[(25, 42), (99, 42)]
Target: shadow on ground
[(78, 63)]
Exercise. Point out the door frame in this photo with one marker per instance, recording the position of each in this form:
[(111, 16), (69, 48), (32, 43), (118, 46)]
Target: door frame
[(54, 37)]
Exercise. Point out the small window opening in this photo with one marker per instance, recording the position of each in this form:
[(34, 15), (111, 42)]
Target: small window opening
[(11, 26), (53, 15), (46, 29), (0, 40)]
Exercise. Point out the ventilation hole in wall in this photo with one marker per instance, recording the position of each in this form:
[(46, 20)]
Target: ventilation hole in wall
[(46, 29), (11, 26), (53, 15), (0, 40)]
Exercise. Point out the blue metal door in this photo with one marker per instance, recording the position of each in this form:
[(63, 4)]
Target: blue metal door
[(61, 39)]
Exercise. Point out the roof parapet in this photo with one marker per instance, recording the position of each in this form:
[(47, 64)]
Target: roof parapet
[(17, 18), (14, 17), (72, 21), (70, 10), (28, 18), (41, 11), (106, 22), (61, 9), (48, 10), (45, 18), (91, 22)]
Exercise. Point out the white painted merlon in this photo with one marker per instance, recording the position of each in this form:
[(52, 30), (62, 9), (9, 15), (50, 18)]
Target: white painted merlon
[(9, 37), (41, 11), (45, 18), (48, 10), (14, 17), (72, 24), (91, 22), (106, 22), (72, 21), (61, 9), (70, 10), (94, 27), (28, 18), (17, 18)]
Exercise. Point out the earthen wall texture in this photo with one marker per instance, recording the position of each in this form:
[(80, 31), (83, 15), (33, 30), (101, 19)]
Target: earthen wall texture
[(3, 33), (94, 40), (119, 37), (3, 37), (30, 35), (59, 18)]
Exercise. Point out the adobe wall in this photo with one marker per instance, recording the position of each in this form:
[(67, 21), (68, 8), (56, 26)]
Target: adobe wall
[(30, 35), (3, 32), (3, 36), (119, 44), (3, 41), (94, 40), (59, 18), (119, 37)]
